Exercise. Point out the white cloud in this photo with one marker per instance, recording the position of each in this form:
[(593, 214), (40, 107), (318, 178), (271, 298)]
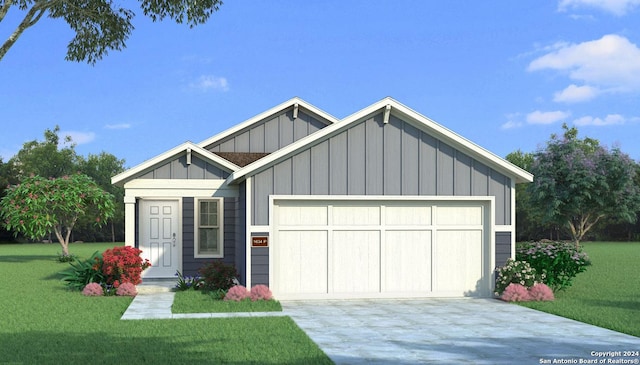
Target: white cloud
[(616, 7), (576, 94), (611, 62), (611, 119), (210, 82), (539, 117), (511, 124), (118, 126), (78, 137)]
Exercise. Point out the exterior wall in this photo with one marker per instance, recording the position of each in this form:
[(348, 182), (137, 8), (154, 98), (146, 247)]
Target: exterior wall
[(259, 266), (190, 264), (503, 247), (373, 158), (178, 169), (241, 224), (270, 134)]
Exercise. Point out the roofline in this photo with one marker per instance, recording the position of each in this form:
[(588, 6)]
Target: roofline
[(396, 107), (121, 178), (287, 104)]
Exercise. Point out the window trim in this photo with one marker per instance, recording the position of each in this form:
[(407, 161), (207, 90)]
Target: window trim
[(196, 228)]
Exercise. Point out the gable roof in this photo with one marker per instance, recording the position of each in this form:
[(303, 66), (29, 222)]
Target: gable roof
[(390, 106), (187, 147), (291, 103)]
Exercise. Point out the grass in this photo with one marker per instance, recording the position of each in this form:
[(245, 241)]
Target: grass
[(44, 323), (192, 301), (607, 294)]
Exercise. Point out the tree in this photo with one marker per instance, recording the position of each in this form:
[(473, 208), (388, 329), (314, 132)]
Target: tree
[(101, 25), (38, 205), (578, 182), (525, 225), (46, 158)]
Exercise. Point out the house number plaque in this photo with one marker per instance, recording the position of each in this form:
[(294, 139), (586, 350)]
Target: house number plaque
[(259, 241)]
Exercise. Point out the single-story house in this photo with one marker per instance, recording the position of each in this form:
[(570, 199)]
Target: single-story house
[(383, 203)]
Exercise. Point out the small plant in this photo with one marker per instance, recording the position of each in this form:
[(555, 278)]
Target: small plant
[(127, 289), (123, 264), (83, 272), (517, 272), (560, 262), (93, 290), (66, 258), (541, 292), (260, 292), (237, 293), (217, 294), (188, 282), (218, 275), (515, 293)]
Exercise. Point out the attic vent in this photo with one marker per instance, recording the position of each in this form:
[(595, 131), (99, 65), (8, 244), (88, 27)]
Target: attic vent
[(387, 111), (295, 111), (188, 156)]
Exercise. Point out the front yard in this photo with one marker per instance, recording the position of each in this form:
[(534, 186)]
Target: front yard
[(43, 323)]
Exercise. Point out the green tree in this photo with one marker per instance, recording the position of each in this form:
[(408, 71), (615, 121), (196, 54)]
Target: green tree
[(46, 158), (525, 222), (578, 182), (101, 25), (38, 206)]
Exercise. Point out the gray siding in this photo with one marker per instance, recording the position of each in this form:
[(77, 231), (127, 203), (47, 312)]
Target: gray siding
[(372, 158), (503, 247), (190, 264), (178, 169), (270, 134), (259, 266), (241, 223)]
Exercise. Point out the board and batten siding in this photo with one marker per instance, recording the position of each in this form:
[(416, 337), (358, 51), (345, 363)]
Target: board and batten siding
[(373, 158), (269, 135), (503, 248), (179, 169)]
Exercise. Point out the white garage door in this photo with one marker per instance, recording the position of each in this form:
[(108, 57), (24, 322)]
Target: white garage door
[(377, 249)]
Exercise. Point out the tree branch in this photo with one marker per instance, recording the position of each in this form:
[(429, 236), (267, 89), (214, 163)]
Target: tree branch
[(5, 9), (33, 15)]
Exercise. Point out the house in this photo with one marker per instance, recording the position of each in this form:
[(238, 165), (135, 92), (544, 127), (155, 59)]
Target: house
[(383, 203)]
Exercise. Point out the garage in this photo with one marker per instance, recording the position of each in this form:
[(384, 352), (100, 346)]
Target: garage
[(364, 247)]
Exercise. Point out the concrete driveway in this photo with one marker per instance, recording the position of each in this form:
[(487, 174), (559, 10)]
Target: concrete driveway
[(453, 331)]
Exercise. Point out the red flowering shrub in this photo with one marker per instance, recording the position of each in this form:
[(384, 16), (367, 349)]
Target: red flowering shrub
[(127, 289), (541, 292), (123, 264), (93, 290), (515, 293), (237, 293), (260, 292)]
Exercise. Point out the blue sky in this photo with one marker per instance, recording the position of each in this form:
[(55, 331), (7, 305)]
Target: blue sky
[(504, 74)]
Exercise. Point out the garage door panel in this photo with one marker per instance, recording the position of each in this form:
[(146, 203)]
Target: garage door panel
[(357, 215), (458, 264), (300, 260), (459, 215), (356, 261), (407, 261), (408, 215), (305, 215)]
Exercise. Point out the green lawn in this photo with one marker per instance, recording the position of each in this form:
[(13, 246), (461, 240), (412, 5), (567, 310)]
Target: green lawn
[(43, 323), (192, 301), (608, 293)]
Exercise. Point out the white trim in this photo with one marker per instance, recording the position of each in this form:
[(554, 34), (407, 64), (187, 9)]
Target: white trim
[(196, 227), (179, 188), (247, 232), (421, 121), (276, 109), (381, 197), (187, 148)]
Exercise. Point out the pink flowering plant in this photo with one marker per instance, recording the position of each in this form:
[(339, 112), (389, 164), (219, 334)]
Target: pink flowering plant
[(541, 292), (517, 272), (515, 293), (560, 262), (260, 292), (93, 290), (237, 293)]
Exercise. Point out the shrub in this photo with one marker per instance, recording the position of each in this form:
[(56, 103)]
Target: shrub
[(188, 282), (541, 292), (127, 289), (515, 293), (123, 264), (260, 292), (517, 272), (217, 294), (83, 272), (218, 275), (560, 262), (67, 258), (93, 290), (237, 293)]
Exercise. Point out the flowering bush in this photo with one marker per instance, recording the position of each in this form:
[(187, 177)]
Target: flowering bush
[(218, 275), (560, 262), (541, 292), (260, 292), (515, 293), (127, 289), (237, 293), (93, 290), (517, 272), (123, 264), (188, 282)]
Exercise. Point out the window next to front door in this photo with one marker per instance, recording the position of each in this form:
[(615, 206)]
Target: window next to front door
[(208, 229)]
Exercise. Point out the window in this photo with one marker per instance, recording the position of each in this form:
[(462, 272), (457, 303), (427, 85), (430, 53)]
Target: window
[(209, 223)]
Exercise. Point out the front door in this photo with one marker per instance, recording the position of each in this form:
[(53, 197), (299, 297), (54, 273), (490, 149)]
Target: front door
[(159, 237)]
